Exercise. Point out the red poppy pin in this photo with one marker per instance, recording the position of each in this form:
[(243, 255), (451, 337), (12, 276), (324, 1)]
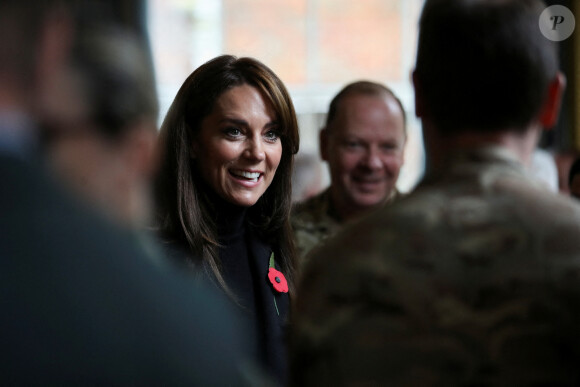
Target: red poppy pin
[(278, 280)]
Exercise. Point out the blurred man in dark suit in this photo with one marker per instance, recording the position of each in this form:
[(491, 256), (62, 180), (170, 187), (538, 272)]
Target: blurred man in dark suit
[(80, 302)]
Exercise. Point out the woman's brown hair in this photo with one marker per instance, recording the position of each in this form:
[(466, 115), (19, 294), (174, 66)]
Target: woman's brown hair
[(183, 209)]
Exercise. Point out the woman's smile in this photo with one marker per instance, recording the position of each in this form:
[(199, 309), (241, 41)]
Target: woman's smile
[(246, 175)]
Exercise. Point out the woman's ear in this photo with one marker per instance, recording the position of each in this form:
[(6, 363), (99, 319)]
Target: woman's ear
[(553, 100)]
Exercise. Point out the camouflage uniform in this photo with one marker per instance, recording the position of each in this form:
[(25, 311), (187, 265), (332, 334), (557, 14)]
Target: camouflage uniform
[(316, 219), (473, 279)]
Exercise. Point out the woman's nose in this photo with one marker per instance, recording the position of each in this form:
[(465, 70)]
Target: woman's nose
[(255, 150)]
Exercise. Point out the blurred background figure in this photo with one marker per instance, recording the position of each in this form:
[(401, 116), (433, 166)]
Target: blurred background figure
[(101, 143), (363, 143), (574, 179), (81, 305), (307, 177)]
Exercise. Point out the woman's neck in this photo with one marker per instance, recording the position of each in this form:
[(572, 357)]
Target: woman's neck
[(229, 218)]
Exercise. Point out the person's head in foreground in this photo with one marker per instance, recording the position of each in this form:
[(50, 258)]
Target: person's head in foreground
[(101, 142), (489, 72)]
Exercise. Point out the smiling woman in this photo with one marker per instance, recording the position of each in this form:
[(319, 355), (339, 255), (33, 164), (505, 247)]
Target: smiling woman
[(238, 148), (224, 191)]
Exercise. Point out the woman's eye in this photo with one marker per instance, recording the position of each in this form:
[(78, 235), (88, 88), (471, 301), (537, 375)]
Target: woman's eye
[(272, 135), (232, 132)]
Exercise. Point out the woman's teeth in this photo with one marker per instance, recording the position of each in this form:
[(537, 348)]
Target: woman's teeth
[(252, 176)]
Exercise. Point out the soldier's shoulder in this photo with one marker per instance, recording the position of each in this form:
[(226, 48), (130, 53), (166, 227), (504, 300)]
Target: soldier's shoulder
[(311, 211), (311, 203)]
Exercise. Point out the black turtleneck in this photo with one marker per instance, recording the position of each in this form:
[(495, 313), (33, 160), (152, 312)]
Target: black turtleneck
[(236, 261), (244, 267), (233, 253)]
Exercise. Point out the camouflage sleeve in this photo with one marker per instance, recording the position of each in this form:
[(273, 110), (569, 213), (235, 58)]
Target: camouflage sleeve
[(310, 227), (306, 240)]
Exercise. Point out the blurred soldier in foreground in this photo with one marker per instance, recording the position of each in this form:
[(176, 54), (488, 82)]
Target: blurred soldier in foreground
[(363, 143), (102, 144), (81, 305), (473, 278)]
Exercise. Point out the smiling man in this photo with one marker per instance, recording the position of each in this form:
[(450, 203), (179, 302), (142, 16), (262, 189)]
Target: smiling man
[(363, 143)]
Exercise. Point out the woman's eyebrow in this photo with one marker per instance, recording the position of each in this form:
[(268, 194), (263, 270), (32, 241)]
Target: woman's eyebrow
[(244, 123), (236, 121), (272, 123)]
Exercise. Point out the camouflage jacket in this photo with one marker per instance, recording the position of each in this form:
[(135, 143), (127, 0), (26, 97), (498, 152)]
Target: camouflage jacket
[(473, 279), (316, 219)]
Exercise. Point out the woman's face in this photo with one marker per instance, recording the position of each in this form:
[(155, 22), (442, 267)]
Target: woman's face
[(238, 148)]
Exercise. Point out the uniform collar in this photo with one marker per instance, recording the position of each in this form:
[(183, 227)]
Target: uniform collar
[(485, 162)]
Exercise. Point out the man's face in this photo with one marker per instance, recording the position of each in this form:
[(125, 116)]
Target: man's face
[(364, 148)]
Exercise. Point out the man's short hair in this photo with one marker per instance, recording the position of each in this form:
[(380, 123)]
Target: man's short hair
[(116, 78), (483, 64), (364, 88)]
